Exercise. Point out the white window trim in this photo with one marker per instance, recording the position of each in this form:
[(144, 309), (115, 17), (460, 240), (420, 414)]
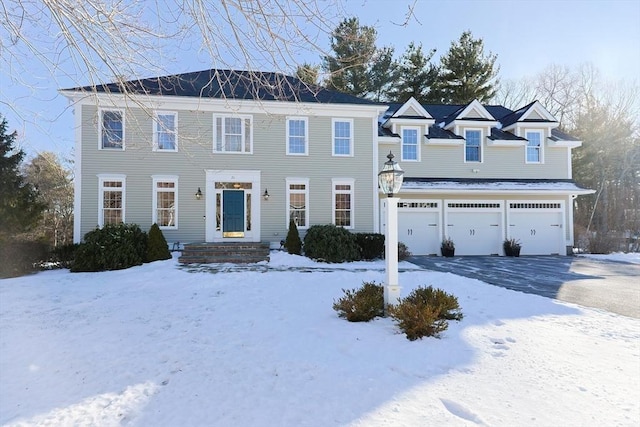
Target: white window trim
[(464, 151), (156, 122), (154, 207), (417, 129), (540, 149), (101, 111), (101, 189), (333, 137), (305, 182), (351, 192), (306, 135), (233, 116)]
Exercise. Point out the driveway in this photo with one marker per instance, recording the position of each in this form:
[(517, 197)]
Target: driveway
[(609, 285)]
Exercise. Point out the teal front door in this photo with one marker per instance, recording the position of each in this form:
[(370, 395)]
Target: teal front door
[(233, 213)]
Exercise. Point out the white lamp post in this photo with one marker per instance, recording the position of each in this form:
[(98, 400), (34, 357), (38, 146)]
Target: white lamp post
[(390, 180)]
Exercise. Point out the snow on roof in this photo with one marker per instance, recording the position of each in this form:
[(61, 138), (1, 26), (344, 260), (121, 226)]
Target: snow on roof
[(493, 185)]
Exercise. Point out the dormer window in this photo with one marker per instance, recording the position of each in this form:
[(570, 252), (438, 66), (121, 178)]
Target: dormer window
[(534, 147), (473, 146), (410, 144)]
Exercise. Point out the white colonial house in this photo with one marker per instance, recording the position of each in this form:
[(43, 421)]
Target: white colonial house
[(231, 156)]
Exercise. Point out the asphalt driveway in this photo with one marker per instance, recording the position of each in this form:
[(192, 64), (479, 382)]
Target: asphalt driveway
[(609, 285)]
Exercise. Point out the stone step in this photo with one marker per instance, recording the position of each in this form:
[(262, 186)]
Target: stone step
[(233, 252)]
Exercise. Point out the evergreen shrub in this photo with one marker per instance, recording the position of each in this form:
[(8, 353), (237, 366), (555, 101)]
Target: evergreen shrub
[(371, 245), (20, 257), (361, 305), (293, 244), (112, 247), (157, 247), (425, 312), (403, 251), (329, 243), (64, 255)]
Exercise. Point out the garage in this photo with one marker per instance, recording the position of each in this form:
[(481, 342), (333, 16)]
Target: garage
[(538, 225), (476, 227), (419, 226)]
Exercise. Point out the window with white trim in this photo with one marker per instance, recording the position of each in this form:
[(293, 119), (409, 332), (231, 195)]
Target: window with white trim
[(297, 136), (410, 146), (233, 134), (111, 130), (473, 146), (111, 199), (342, 136), (165, 202), (534, 146), (165, 131), (298, 201), (343, 202)]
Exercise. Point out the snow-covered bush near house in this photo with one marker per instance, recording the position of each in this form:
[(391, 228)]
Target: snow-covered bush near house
[(159, 345)]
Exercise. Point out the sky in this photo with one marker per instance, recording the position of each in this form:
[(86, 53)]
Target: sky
[(526, 35), (260, 345)]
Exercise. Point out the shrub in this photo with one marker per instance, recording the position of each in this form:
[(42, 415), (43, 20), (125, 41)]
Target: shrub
[(361, 305), (329, 243), (112, 247), (157, 247), (371, 245), (21, 257), (403, 251), (425, 312), (293, 244), (64, 255)]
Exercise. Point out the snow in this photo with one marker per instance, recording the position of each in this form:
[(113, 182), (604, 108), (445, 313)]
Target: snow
[(632, 257), (164, 345), (496, 185)]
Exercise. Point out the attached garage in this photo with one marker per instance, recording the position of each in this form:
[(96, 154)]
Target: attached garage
[(538, 225), (476, 227), (419, 226)]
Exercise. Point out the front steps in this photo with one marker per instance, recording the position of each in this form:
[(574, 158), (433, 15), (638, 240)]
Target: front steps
[(231, 252)]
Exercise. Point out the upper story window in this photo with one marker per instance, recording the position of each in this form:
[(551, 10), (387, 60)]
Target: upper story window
[(165, 202), (298, 201), (343, 202), (342, 137), (165, 127), (473, 146), (534, 147), (410, 144), (233, 134), (111, 198), (297, 135), (111, 130)]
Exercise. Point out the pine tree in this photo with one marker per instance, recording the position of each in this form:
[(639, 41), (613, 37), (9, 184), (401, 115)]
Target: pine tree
[(157, 247), (467, 73), (416, 76), (293, 242), (19, 208), (308, 73)]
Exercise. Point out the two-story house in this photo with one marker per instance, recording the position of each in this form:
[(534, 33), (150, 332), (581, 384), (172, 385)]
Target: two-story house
[(231, 156)]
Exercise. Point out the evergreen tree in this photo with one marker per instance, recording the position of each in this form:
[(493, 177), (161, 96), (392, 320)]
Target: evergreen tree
[(19, 208), (467, 73), (416, 76), (357, 66), (308, 73), (157, 247), (293, 244)]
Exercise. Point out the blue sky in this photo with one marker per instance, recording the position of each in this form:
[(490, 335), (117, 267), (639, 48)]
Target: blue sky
[(526, 35)]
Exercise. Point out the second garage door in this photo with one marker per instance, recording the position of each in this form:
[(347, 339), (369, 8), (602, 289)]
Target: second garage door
[(475, 226), (539, 226)]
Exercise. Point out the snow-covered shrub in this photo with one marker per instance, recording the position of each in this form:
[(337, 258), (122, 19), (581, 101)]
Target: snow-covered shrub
[(425, 312), (329, 243), (157, 247), (112, 247), (361, 305)]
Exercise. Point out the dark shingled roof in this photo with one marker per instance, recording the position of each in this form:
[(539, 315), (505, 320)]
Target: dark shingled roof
[(230, 84), (386, 132), (558, 135), (436, 132), (498, 134), (515, 116)]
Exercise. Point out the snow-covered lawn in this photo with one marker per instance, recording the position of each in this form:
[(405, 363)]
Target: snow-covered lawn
[(633, 257), (157, 345)]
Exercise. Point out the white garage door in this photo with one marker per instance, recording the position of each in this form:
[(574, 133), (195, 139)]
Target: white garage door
[(539, 226), (475, 226), (419, 226)]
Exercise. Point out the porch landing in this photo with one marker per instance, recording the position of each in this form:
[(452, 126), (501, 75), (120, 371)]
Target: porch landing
[(226, 252)]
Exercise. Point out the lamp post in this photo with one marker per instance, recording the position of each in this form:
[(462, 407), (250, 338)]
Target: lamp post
[(390, 180)]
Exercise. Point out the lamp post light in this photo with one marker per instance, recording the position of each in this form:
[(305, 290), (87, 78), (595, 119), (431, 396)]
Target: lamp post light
[(390, 181)]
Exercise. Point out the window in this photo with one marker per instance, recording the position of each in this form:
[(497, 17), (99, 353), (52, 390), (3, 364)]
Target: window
[(297, 135), (298, 201), (233, 134), (111, 199), (534, 147), (165, 202), (111, 130), (165, 131), (473, 146), (342, 137), (410, 144), (343, 202)]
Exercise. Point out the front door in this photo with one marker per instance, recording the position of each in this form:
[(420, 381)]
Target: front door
[(233, 213)]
